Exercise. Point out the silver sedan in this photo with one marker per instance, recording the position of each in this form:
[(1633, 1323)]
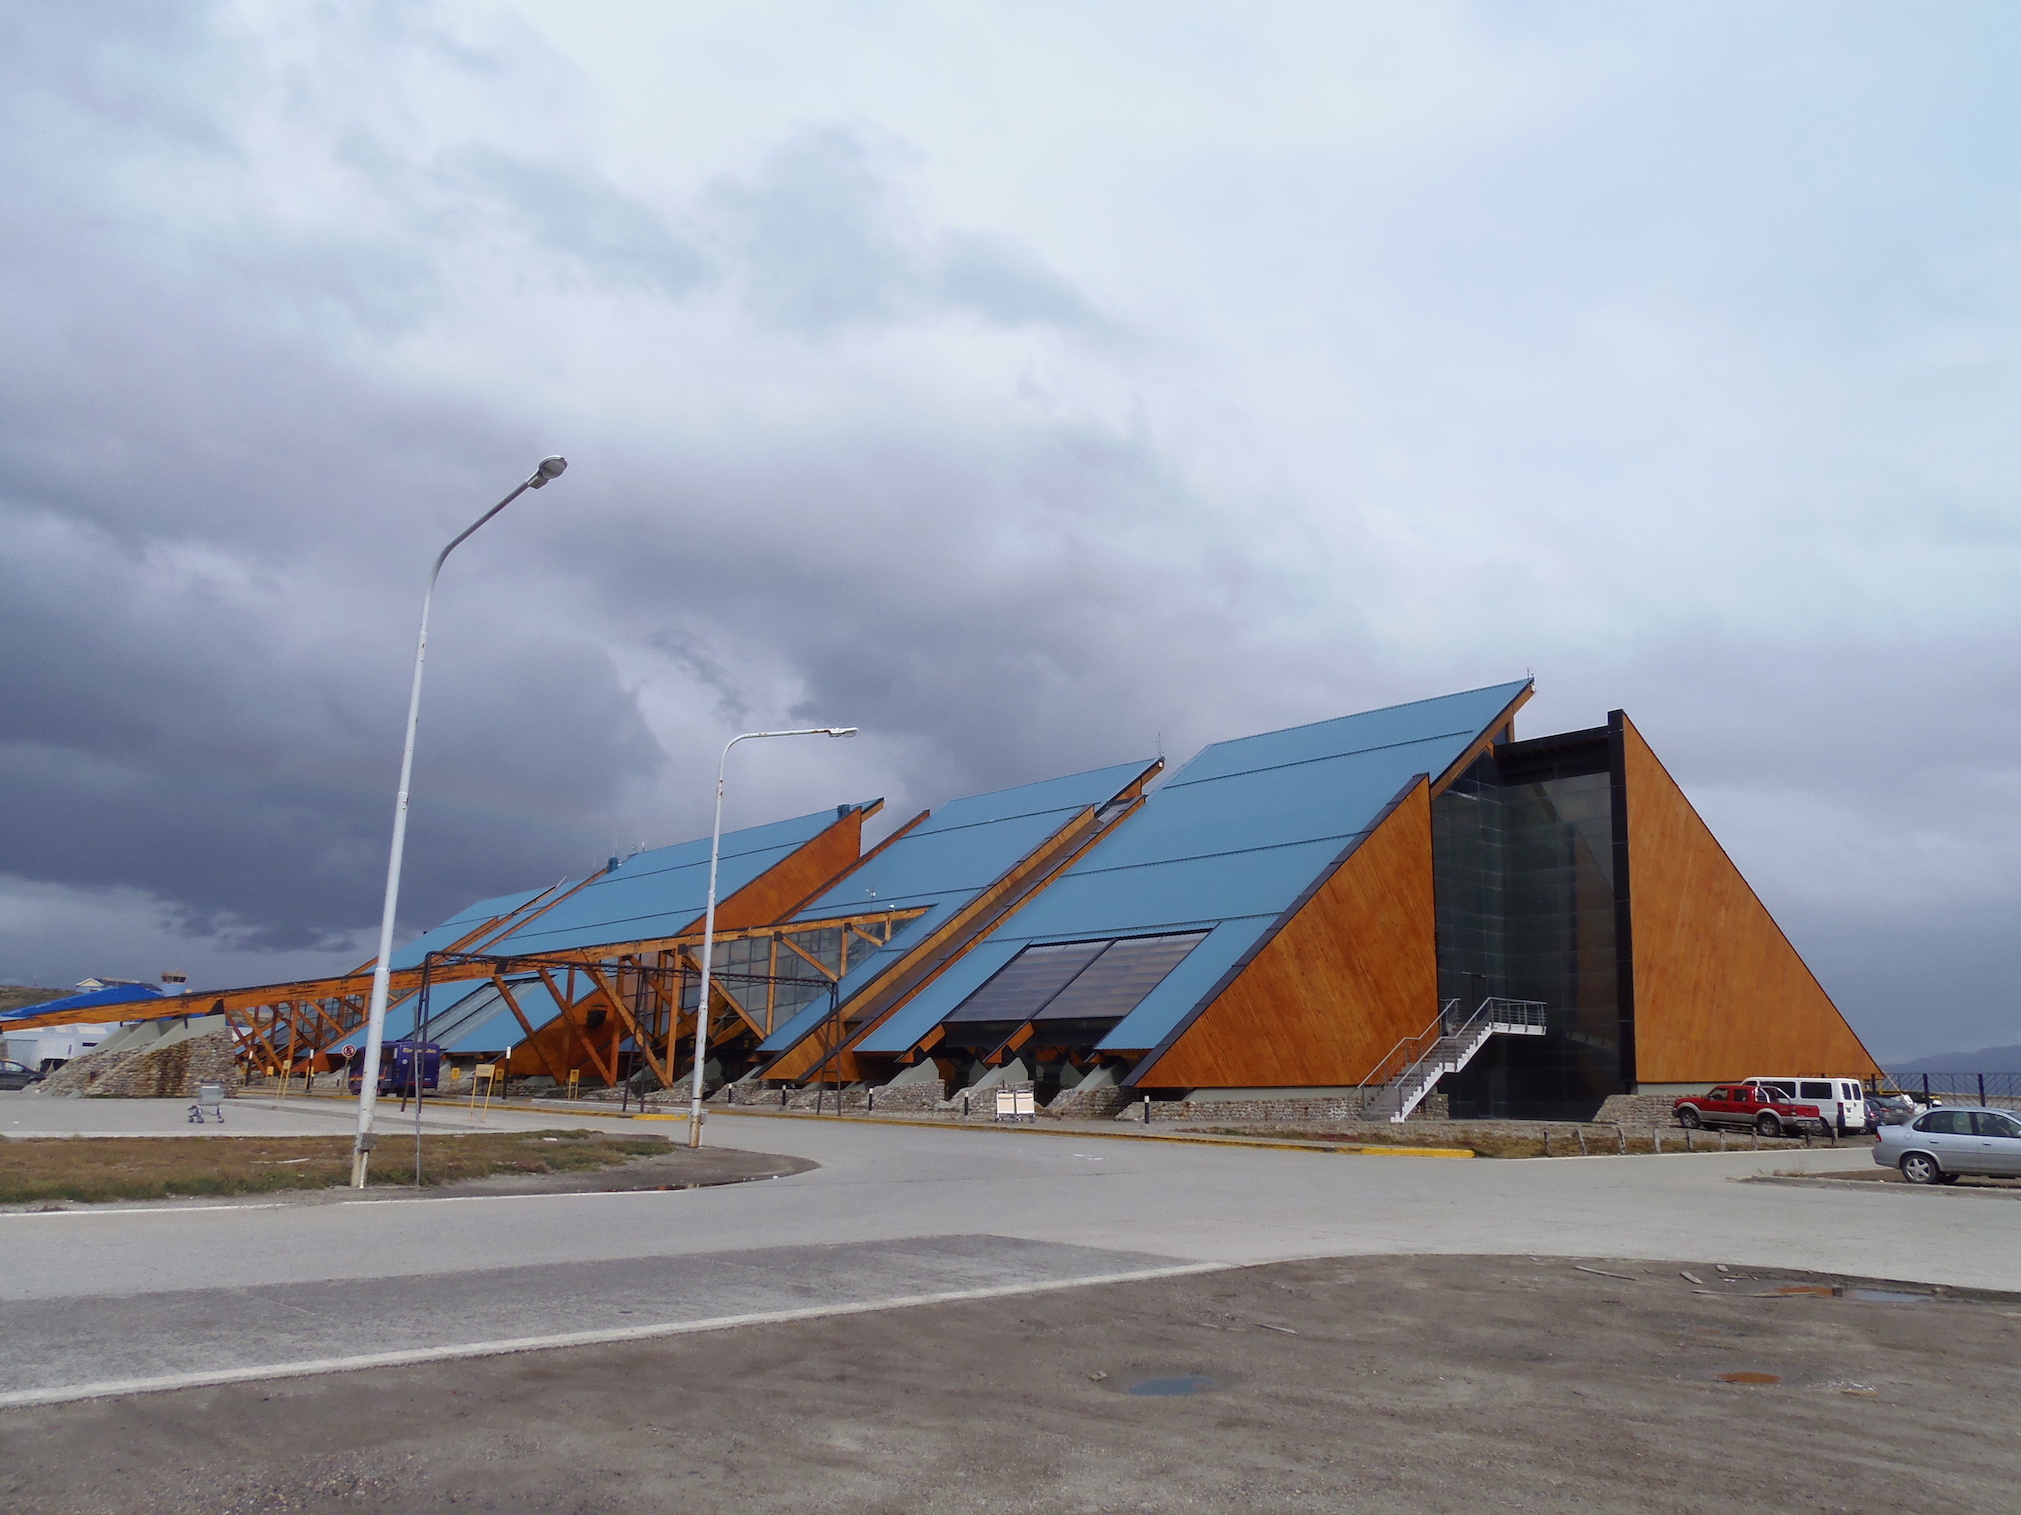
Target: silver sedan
[(1941, 1145)]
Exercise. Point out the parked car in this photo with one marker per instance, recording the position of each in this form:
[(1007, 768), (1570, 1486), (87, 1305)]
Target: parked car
[(1842, 1100), (1755, 1105), (1940, 1145), (1892, 1110), (17, 1075)]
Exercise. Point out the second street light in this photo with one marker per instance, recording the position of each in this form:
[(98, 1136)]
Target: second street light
[(709, 919), (549, 470)]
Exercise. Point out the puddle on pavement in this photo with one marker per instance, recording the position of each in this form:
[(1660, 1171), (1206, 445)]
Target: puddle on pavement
[(1750, 1378), (1829, 1291), (1170, 1388)]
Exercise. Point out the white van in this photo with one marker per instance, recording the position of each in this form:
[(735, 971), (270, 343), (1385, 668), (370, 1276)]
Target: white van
[(1841, 1101)]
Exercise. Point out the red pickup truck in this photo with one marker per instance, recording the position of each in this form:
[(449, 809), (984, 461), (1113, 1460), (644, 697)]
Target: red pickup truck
[(1748, 1105)]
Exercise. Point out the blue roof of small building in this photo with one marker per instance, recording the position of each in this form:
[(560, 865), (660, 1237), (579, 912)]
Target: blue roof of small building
[(1228, 845), (944, 862), (90, 999)]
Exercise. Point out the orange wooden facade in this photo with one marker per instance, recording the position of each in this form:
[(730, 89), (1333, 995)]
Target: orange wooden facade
[(1354, 970), (1719, 991)]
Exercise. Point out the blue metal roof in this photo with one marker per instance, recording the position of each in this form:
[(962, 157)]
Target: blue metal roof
[(90, 999), (461, 924), (650, 894), (443, 999), (945, 861), (1230, 843), (465, 1017)]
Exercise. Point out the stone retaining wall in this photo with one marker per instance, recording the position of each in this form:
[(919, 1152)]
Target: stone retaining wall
[(1638, 1109), (149, 1072)]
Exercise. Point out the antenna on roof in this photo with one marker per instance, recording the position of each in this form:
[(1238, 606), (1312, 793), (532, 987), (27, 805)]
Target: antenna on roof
[(1161, 746)]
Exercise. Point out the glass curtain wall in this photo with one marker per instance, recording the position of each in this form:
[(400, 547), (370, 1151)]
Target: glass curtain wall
[(1523, 879)]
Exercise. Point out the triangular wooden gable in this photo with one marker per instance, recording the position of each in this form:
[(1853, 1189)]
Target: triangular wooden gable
[(1719, 991)]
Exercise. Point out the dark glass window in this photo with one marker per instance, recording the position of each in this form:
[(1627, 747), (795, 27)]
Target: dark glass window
[(1815, 1088), (1987, 1123), (1946, 1123), (1111, 986), (1077, 981), (1523, 890), (1023, 985)]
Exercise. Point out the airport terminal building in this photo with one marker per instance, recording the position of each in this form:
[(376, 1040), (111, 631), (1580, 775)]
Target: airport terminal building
[(1405, 903)]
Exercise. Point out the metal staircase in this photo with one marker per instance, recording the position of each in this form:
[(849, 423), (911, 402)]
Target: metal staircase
[(1415, 1064)]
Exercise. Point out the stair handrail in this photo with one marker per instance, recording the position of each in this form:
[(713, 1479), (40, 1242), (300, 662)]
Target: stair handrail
[(1495, 1010), (1405, 1048)]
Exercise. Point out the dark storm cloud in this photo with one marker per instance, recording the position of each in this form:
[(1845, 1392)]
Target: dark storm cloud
[(216, 509)]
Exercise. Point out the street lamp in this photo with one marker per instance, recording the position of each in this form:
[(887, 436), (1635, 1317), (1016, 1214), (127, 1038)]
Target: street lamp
[(375, 1022), (709, 917)]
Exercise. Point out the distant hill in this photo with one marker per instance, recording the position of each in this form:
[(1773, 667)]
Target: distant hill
[(14, 996), (1985, 1060)]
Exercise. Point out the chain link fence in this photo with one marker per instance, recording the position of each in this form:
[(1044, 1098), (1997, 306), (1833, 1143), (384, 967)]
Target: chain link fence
[(1997, 1089)]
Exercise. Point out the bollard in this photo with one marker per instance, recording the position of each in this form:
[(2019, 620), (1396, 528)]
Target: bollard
[(1547, 1141), (964, 1107), (870, 1102), (1581, 1130), (1621, 1136), (1656, 1140), (1147, 1109)]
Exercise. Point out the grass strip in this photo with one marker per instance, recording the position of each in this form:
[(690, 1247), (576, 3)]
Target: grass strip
[(92, 1169)]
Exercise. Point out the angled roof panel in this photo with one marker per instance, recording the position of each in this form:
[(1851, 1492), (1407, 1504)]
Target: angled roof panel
[(443, 1000), (945, 861), (662, 892), (1228, 844), (461, 924)]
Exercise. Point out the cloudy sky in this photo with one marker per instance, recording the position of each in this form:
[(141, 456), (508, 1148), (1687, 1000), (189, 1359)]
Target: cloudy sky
[(1033, 385)]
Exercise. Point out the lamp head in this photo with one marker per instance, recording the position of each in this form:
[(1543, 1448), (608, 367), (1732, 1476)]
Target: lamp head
[(550, 469), (841, 730)]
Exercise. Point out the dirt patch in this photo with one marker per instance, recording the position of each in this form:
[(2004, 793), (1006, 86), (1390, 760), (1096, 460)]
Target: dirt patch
[(95, 1169), (1427, 1384)]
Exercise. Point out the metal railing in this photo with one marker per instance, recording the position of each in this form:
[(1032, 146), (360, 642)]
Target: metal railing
[(1443, 1047), (1411, 1049)]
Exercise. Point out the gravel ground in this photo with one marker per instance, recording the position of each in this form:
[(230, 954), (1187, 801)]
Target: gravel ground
[(1371, 1383)]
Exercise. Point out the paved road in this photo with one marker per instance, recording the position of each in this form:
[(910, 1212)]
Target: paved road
[(192, 1278), (1406, 1386)]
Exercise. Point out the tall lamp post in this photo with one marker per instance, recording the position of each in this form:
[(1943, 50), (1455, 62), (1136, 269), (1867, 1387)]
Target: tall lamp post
[(709, 918), (549, 470)]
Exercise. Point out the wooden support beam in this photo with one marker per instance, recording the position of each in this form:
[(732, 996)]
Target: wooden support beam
[(512, 1004), (1011, 1043), (565, 1002), (663, 1072)]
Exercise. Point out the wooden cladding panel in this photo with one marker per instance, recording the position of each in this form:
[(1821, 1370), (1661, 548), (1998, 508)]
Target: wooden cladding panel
[(1345, 979), (1719, 991), (781, 890)]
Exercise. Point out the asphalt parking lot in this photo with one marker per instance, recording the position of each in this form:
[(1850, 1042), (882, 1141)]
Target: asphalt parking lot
[(1368, 1383)]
